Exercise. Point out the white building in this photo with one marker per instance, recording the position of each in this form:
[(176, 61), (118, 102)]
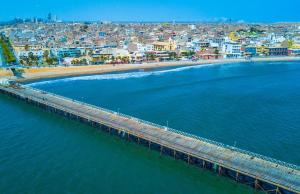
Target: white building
[(231, 50), (144, 47), (274, 38), (115, 52), (37, 53)]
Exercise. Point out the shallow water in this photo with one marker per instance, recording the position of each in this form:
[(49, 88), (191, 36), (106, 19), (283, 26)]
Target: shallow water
[(254, 106)]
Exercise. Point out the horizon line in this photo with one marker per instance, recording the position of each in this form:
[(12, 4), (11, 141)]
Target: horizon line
[(229, 21)]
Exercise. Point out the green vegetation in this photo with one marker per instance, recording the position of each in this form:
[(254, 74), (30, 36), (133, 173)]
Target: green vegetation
[(20, 70), (173, 55), (216, 51), (48, 59), (188, 53), (6, 50), (27, 47), (150, 57), (290, 43), (254, 31), (79, 62), (34, 60)]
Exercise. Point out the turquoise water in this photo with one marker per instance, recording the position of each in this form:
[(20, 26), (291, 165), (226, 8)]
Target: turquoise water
[(254, 106)]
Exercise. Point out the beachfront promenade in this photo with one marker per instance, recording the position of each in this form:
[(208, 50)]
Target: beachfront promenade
[(263, 173)]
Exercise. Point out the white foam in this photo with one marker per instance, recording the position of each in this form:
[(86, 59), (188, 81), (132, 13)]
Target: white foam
[(116, 76)]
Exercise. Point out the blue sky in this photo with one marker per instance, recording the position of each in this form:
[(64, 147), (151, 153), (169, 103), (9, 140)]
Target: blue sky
[(154, 10)]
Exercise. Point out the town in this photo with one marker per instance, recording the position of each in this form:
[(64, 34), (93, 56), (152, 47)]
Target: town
[(47, 42), (145, 96)]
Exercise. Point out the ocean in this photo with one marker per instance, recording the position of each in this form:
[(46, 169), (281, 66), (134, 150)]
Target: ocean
[(253, 106)]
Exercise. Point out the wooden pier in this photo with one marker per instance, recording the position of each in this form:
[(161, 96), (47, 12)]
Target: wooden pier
[(260, 172)]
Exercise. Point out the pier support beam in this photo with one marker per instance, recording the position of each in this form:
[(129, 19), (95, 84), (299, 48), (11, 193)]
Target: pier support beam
[(174, 154), (237, 177), (161, 150), (277, 191), (256, 185), (220, 170)]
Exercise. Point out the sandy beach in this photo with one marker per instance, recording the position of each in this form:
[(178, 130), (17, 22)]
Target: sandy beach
[(31, 74), (5, 73)]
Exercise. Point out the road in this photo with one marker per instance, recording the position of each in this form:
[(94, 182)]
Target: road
[(2, 63)]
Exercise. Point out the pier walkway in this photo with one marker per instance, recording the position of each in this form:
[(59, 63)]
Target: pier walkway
[(267, 174)]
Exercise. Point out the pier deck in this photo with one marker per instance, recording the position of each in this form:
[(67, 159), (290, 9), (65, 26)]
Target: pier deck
[(284, 177)]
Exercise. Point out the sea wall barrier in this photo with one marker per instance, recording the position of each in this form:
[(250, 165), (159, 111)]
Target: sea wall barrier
[(260, 172)]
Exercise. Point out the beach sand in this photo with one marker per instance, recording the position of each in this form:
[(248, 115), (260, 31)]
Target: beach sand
[(5, 73), (31, 74)]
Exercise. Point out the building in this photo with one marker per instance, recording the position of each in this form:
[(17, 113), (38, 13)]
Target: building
[(209, 53), (49, 17), (261, 50), (97, 59), (68, 52), (37, 53), (137, 57), (277, 51), (231, 50), (294, 52), (250, 51), (164, 46)]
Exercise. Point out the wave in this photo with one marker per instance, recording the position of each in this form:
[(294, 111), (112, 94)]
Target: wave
[(118, 76)]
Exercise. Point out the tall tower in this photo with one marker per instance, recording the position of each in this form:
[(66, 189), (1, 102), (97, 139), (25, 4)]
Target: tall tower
[(49, 17)]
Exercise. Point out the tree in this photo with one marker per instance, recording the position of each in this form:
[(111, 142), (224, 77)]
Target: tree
[(51, 61), (83, 61), (33, 60), (26, 47), (46, 54), (31, 56), (7, 50), (290, 43), (22, 62), (150, 56), (112, 58), (216, 51), (172, 55)]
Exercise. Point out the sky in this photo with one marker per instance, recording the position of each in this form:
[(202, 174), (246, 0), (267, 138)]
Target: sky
[(154, 10)]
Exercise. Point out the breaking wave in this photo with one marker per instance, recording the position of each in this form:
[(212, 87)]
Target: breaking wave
[(116, 76)]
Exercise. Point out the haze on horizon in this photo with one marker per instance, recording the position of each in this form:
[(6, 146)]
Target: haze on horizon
[(155, 10)]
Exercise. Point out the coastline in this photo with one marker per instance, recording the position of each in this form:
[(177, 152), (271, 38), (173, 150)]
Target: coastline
[(32, 74)]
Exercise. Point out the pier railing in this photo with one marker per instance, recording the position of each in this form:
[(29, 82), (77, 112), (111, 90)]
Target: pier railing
[(252, 154)]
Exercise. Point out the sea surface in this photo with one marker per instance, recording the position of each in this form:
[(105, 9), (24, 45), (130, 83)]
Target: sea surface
[(254, 106)]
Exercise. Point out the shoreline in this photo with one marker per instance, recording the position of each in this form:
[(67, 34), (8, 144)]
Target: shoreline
[(32, 74)]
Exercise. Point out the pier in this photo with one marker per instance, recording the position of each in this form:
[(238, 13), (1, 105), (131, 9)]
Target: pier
[(260, 172)]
